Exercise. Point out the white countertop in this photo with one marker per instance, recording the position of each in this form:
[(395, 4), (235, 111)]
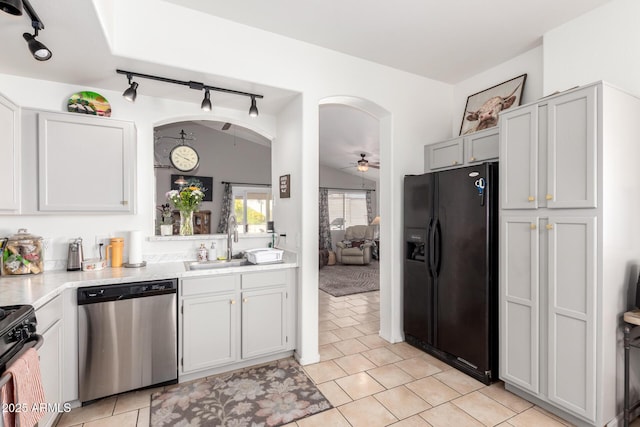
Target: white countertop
[(37, 289)]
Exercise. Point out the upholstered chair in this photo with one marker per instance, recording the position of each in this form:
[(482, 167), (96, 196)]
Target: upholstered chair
[(356, 246)]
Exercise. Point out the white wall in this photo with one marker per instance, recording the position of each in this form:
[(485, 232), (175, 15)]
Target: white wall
[(269, 59), (600, 45)]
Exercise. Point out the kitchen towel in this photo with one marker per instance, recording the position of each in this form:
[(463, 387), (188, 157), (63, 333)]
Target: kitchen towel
[(24, 390), (135, 247)]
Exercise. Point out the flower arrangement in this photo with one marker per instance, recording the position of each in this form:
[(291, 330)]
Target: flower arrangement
[(186, 199)]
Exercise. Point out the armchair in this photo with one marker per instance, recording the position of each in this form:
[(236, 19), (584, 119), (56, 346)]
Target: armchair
[(356, 246)]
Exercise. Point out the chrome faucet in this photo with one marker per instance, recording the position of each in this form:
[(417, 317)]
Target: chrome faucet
[(234, 230)]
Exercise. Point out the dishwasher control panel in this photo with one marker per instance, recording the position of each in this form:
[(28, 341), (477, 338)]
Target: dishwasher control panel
[(120, 291)]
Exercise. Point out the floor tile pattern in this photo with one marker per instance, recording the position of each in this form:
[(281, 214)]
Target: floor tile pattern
[(369, 381)]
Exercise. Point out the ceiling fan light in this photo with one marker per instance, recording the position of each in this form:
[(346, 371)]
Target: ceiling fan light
[(253, 110), (13, 7), (37, 49), (206, 102), (131, 93), (363, 164)]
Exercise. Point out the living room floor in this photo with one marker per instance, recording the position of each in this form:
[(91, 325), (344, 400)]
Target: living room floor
[(368, 381)]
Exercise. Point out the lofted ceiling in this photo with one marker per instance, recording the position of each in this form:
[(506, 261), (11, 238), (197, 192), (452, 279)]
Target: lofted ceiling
[(446, 41)]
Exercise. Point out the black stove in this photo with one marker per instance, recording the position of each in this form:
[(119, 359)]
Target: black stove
[(17, 326)]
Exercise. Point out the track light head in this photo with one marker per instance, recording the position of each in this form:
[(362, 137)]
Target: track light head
[(37, 49), (253, 110), (13, 7), (206, 102), (131, 93)]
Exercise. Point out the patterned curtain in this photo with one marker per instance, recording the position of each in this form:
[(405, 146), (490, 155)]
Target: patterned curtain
[(325, 230), (369, 208), (225, 211)]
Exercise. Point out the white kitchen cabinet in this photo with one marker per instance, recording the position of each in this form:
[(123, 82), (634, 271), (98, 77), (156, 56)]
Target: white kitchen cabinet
[(95, 156), (10, 156), (50, 323), (232, 320), (209, 331), (556, 139), (264, 313), (568, 260), (478, 147)]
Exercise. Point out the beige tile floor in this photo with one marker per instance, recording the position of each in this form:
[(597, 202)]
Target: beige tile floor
[(368, 381)]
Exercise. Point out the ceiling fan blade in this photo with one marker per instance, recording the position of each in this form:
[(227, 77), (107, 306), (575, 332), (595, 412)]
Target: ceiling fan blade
[(226, 126), (374, 165)]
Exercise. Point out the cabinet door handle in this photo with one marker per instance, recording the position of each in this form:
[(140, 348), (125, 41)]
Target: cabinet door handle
[(531, 198), (232, 301), (472, 159), (455, 162), (533, 226), (549, 197), (549, 226), (244, 300)]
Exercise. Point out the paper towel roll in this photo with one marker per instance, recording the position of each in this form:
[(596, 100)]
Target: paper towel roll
[(135, 247)]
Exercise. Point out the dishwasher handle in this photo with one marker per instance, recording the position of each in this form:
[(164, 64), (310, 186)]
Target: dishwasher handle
[(123, 291)]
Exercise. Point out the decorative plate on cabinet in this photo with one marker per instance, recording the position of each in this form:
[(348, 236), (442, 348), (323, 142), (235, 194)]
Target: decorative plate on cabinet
[(91, 103)]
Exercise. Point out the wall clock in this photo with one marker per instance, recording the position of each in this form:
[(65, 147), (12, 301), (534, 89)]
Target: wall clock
[(184, 158)]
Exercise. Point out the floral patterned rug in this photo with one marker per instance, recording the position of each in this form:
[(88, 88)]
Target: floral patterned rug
[(264, 396)]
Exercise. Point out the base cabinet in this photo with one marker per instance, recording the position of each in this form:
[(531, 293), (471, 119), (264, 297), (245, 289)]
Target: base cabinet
[(230, 319), (50, 323)]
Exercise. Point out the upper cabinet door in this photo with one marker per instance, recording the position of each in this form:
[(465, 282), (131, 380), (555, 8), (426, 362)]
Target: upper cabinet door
[(482, 146), (443, 155), (519, 158), (10, 156), (572, 170), (86, 164)]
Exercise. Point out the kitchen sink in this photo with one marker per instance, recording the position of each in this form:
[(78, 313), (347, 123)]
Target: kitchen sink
[(209, 265)]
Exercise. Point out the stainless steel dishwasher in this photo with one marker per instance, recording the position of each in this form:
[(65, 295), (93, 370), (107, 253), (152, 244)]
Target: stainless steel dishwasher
[(127, 337)]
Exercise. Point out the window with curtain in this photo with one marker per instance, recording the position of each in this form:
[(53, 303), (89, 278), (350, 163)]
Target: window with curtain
[(252, 208), (347, 208)]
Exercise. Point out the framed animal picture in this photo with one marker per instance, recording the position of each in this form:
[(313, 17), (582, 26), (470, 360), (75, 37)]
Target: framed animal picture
[(483, 108)]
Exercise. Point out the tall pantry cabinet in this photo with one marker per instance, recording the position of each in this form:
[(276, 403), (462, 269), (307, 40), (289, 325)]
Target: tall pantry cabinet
[(569, 242)]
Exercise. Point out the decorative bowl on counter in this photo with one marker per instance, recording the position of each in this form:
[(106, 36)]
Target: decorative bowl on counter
[(94, 264)]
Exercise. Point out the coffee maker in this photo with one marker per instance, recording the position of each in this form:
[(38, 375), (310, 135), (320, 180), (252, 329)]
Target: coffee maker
[(74, 257)]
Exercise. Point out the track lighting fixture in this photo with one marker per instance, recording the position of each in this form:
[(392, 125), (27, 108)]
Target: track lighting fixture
[(37, 48), (131, 92), (253, 110), (206, 102)]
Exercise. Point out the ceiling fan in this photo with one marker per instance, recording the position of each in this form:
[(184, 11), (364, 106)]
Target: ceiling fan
[(363, 164)]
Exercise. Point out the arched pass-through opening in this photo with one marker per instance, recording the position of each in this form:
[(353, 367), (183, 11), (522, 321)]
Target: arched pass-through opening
[(383, 186)]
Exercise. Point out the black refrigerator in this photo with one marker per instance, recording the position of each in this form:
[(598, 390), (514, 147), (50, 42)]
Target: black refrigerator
[(451, 267)]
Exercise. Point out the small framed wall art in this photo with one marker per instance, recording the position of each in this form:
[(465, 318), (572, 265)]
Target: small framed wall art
[(285, 186), (483, 108)]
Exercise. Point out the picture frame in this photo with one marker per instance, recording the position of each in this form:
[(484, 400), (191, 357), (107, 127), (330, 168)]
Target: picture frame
[(285, 186), (483, 108), (205, 181)]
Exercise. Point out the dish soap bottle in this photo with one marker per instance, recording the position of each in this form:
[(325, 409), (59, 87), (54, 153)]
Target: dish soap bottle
[(203, 253)]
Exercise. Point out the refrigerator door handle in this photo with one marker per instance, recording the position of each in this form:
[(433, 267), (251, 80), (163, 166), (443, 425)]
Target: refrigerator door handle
[(430, 240), (437, 248)]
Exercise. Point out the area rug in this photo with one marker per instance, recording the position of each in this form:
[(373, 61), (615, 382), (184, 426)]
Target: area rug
[(265, 396), (339, 280)]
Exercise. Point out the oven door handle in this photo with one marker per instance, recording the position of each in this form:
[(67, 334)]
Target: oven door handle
[(37, 341)]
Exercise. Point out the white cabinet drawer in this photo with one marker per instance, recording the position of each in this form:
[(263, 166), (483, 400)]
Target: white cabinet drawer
[(209, 284), (48, 314), (262, 279)]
